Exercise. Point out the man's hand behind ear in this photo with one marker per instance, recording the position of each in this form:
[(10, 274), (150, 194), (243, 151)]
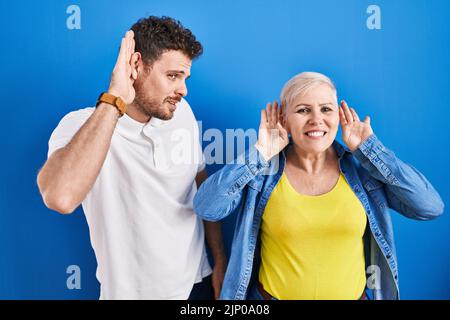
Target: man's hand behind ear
[(124, 73)]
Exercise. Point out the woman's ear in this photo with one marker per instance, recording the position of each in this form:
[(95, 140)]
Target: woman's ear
[(283, 120), (136, 64)]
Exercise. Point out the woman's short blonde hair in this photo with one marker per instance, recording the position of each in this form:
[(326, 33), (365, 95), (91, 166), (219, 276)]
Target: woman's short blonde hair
[(300, 84)]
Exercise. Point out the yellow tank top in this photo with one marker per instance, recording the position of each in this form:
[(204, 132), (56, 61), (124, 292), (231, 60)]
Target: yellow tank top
[(312, 246)]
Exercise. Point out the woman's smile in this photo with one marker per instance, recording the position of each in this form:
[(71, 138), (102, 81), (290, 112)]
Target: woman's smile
[(315, 134)]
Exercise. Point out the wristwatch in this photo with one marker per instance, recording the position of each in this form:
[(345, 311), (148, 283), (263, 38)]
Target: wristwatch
[(114, 101)]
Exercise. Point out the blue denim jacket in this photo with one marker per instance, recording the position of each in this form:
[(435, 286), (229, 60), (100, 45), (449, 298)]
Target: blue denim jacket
[(378, 178)]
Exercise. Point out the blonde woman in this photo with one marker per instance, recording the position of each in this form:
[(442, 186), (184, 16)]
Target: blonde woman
[(313, 215)]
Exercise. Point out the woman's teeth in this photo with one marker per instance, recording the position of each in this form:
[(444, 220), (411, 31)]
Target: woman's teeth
[(315, 133)]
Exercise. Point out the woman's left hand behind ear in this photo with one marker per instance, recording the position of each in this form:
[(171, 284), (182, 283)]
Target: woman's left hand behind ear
[(354, 131)]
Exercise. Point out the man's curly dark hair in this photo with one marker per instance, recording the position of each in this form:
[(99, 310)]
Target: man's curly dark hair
[(156, 35)]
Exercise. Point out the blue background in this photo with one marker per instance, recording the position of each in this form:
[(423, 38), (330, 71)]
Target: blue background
[(399, 75)]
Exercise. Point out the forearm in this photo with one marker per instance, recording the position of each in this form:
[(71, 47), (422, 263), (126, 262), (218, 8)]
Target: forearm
[(226, 186), (213, 234), (407, 189), (383, 165), (71, 171)]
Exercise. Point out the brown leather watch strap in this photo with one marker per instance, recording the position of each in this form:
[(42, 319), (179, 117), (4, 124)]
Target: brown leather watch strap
[(114, 101)]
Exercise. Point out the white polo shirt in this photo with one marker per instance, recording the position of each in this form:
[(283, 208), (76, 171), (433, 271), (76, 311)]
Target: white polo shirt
[(148, 242)]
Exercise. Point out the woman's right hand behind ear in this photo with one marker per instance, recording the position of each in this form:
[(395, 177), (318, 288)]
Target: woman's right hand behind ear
[(272, 136)]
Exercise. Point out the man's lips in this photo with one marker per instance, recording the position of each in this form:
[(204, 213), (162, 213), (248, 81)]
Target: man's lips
[(173, 103)]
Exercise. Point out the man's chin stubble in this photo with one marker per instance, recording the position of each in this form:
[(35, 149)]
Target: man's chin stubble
[(158, 113)]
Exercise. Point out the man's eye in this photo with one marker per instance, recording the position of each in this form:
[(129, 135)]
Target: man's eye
[(172, 76)]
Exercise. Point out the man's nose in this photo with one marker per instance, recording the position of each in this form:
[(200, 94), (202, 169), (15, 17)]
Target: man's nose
[(182, 90)]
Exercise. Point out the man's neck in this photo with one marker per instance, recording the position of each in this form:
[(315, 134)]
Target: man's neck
[(134, 113)]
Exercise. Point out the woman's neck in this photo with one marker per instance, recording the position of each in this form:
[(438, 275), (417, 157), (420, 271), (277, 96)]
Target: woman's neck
[(311, 163)]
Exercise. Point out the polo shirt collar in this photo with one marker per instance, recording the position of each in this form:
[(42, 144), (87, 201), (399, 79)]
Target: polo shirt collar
[(127, 124)]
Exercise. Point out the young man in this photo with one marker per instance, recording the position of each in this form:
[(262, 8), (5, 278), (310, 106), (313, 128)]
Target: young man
[(121, 161)]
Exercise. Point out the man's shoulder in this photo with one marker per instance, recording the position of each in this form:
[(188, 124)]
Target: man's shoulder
[(184, 112), (184, 107), (80, 113), (73, 120), (76, 118), (67, 128)]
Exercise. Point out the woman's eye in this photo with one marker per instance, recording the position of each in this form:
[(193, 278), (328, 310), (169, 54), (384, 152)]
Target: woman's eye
[(326, 109), (302, 110)]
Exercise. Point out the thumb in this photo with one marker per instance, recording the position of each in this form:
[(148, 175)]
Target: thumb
[(282, 130), (281, 127), (367, 120)]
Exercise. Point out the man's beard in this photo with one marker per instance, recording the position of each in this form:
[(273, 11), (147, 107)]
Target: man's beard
[(151, 107)]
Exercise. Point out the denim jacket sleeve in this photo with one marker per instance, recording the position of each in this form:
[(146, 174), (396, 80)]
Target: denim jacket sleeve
[(222, 192), (407, 190)]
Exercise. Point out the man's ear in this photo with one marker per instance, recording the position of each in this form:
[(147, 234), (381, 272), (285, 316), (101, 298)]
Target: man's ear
[(136, 64)]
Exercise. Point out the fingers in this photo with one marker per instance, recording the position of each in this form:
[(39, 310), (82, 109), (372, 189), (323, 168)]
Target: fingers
[(132, 45), (268, 114), (122, 51), (263, 118), (280, 113), (126, 47), (350, 115), (274, 113), (347, 113), (342, 117), (271, 115), (355, 115)]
